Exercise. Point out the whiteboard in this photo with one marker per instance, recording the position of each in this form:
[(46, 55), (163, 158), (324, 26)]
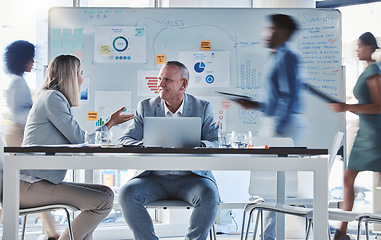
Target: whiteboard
[(121, 50)]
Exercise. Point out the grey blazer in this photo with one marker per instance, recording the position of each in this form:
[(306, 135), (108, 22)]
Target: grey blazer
[(193, 107), (51, 122)]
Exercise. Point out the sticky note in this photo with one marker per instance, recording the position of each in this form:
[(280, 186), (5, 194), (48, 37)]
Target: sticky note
[(77, 32), (105, 49), (56, 33), (67, 32), (55, 53), (160, 59), (67, 44), (139, 32), (92, 116), (205, 45), (77, 44), (56, 44), (78, 54)]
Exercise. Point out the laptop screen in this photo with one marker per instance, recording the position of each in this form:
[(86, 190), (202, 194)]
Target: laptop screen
[(172, 132)]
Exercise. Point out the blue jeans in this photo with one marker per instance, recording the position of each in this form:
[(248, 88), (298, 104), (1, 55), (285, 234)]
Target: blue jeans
[(201, 192), (269, 232)]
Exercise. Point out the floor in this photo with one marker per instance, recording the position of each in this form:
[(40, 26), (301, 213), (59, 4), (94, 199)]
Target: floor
[(37, 236), (119, 231)]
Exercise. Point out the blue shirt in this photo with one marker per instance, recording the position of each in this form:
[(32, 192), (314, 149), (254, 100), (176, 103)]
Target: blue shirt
[(283, 86), (19, 99)]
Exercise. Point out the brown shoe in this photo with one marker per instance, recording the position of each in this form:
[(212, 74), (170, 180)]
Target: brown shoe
[(339, 235)]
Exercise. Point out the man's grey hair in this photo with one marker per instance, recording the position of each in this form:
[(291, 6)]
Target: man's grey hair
[(184, 73)]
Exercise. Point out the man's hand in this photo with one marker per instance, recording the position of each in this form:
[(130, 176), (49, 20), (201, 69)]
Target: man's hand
[(118, 118)]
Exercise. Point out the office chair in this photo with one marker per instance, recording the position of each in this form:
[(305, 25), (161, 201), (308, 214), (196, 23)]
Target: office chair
[(25, 211), (47, 208), (166, 204), (297, 211)]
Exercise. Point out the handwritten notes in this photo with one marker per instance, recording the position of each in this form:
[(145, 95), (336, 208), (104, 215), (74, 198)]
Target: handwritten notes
[(205, 45), (160, 59), (320, 49), (92, 116)]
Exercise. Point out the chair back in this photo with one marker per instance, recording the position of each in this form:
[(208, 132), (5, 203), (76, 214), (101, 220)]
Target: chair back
[(263, 183), (334, 149), (2, 145)]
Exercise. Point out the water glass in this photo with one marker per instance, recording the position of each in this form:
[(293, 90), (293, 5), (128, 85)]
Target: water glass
[(241, 139), (224, 139), (90, 137), (103, 137)]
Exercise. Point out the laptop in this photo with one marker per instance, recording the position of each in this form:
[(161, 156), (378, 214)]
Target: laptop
[(172, 132)]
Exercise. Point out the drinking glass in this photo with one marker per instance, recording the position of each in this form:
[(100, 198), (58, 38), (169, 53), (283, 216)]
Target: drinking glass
[(103, 137), (90, 137), (241, 139), (224, 139)]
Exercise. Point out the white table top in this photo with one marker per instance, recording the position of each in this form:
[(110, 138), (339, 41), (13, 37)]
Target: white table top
[(172, 160)]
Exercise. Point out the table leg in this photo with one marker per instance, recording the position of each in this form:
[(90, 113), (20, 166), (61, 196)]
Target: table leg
[(281, 198), (11, 199), (320, 216)]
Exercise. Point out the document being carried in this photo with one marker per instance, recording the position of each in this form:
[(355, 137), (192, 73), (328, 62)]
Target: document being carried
[(243, 100), (320, 94)]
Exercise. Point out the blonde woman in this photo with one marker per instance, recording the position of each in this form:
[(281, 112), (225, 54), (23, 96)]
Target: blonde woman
[(50, 121)]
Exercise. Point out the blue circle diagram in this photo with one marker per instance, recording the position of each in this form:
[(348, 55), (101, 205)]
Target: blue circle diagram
[(199, 67), (120, 44), (209, 79)]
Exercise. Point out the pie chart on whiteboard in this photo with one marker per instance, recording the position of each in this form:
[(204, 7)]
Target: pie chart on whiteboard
[(120, 43), (199, 67)]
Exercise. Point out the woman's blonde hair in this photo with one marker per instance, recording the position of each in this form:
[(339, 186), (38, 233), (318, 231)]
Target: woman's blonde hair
[(61, 75)]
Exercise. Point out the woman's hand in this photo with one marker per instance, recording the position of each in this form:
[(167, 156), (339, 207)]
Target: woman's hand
[(118, 118), (338, 107)]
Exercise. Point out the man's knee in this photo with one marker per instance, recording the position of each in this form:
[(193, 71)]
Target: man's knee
[(124, 193), (129, 194), (209, 195)]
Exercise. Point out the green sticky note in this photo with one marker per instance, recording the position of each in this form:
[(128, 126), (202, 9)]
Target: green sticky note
[(67, 51), (55, 43), (77, 44), (67, 44), (67, 32), (56, 33), (78, 32), (55, 53), (139, 32)]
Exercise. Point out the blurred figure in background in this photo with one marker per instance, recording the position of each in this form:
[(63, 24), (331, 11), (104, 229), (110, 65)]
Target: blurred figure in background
[(366, 151), (283, 103), (282, 108), (19, 58)]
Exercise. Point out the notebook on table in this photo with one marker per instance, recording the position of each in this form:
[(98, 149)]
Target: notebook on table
[(172, 132)]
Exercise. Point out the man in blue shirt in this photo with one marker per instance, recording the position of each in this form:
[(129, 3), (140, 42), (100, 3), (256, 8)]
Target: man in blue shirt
[(283, 104), (198, 188)]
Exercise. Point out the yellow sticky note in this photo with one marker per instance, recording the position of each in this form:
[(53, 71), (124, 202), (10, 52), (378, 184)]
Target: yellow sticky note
[(92, 116), (105, 49), (160, 59), (205, 45)]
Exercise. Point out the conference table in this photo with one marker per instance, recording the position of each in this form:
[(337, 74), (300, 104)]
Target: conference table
[(278, 159)]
